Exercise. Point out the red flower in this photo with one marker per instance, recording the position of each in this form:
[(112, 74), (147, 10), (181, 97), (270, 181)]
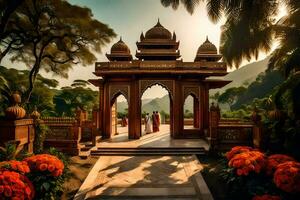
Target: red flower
[(287, 177), (266, 197), (237, 150), (15, 186), (17, 166), (46, 163), (274, 160), (246, 162)]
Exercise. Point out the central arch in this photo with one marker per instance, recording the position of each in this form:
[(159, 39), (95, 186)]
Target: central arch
[(166, 116)]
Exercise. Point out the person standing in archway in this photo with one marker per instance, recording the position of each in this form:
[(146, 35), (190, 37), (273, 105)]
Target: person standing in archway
[(148, 128), (154, 122), (157, 115)]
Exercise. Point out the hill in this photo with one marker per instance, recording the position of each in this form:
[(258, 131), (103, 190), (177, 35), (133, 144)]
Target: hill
[(157, 104), (247, 73)]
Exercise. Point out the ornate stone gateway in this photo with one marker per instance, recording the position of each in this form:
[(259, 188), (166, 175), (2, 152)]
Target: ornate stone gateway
[(158, 63)]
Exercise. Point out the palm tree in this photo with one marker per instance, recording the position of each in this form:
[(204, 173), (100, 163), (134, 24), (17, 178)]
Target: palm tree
[(250, 28)]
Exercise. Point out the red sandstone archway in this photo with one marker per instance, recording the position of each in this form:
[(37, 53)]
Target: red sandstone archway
[(113, 121), (191, 107), (169, 112)]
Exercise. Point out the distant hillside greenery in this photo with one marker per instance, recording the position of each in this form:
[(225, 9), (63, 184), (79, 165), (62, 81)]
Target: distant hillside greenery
[(158, 104), (263, 86), (244, 75)]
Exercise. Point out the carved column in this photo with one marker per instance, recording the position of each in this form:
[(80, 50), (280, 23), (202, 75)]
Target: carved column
[(257, 129), (134, 121), (213, 126), (205, 107), (196, 113), (106, 112), (178, 109), (101, 106)]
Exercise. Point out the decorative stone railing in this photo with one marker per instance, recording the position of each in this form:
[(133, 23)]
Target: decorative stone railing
[(229, 135), (64, 133), (226, 133)]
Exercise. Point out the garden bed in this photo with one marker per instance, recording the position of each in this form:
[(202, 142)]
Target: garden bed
[(211, 174), (79, 169)]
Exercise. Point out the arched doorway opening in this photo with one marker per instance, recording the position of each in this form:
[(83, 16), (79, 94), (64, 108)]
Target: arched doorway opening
[(191, 112), (119, 116), (156, 100)]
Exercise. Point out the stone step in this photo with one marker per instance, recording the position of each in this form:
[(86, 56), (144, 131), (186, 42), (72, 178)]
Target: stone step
[(182, 193), (148, 151), (144, 198)]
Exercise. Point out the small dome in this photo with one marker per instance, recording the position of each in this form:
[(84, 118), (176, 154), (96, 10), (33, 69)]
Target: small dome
[(120, 47), (207, 48), (158, 32)]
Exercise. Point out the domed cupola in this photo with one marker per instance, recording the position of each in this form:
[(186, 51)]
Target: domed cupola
[(158, 44), (158, 32), (119, 52), (207, 52)]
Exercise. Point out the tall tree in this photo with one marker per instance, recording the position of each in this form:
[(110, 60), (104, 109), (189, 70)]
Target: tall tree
[(68, 99), (251, 27), (53, 38)]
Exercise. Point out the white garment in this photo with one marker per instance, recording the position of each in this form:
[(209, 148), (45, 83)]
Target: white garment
[(148, 128)]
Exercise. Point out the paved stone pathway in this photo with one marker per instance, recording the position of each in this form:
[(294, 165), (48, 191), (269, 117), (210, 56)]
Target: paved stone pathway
[(158, 139), (145, 177)]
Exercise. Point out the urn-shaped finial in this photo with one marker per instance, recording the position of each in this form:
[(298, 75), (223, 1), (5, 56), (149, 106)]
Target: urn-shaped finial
[(15, 111), (35, 114)]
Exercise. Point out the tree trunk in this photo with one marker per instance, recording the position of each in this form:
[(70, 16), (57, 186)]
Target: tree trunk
[(32, 76)]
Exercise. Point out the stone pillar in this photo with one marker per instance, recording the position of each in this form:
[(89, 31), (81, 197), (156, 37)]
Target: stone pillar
[(178, 109), (257, 129), (21, 130), (14, 128), (213, 126), (95, 117), (95, 125), (134, 109), (205, 111), (79, 116), (196, 113), (101, 107)]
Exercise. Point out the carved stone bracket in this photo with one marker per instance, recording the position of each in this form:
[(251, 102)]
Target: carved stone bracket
[(167, 84), (115, 90)]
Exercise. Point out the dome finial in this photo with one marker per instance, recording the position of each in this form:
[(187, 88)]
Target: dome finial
[(121, 39), (158, 23), (207, 38)]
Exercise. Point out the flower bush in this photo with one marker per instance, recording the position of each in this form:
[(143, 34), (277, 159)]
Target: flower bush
[(287, 177), (46, 163), (15, 186), (276, 174), (274, 160), (14, 165), (266, 197), (237, 150), (248, 161)]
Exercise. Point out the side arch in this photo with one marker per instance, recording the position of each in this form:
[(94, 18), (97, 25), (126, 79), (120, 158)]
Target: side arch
[(117, 90)]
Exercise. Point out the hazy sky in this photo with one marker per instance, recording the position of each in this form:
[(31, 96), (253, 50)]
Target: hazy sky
[(130, 17)]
